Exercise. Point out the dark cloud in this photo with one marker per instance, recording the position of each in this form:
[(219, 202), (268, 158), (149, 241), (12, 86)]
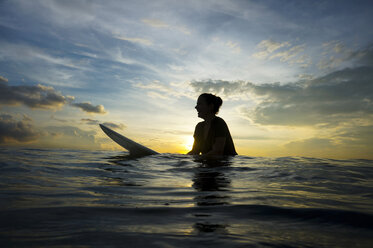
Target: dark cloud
[(114, 126), (12, 130), (6, 117), (35, 96), (108, 124), (335, 98), (89, 108), (90, 121), (26, 118), (329, 100), (58, 119), (42, 97)]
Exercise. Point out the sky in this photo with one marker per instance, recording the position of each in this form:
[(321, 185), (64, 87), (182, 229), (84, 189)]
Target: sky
[(296, 77)]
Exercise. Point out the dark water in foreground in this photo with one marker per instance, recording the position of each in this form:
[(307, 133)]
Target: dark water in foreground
[(63, 198)]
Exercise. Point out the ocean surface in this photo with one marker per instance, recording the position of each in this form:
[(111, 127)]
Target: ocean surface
[(72, 198)]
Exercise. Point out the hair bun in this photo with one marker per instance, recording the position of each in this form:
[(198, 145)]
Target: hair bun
[(218, 101), (214, 100)]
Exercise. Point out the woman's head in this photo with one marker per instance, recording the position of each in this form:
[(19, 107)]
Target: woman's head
[(208, 104)]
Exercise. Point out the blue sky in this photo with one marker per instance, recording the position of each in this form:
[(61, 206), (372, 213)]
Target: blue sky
[(294, 75)]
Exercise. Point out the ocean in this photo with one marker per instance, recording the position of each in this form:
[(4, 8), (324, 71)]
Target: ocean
[(74, 198)]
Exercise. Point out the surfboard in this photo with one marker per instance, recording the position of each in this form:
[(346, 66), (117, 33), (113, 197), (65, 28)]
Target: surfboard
[(135, 149)]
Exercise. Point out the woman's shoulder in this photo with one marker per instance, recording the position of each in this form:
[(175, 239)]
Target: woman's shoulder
[(200, 124), (219, 120)]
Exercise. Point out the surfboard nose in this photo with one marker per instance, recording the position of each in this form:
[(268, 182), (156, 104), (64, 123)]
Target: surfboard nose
[(105, 129)]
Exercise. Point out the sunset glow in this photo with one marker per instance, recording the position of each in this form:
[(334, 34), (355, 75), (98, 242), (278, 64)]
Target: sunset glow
[(189, 143)]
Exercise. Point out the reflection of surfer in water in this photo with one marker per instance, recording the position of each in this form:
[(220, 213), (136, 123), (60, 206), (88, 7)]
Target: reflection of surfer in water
[(211, 136)]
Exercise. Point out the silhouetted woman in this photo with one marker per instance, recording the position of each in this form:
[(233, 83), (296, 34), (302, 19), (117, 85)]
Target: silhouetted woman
[(211, 136)]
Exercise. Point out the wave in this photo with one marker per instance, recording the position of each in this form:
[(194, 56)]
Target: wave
[(330, 217)]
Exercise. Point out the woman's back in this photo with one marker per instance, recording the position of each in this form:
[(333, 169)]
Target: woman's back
[(218, 129)]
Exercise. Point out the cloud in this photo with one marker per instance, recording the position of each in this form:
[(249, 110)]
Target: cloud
[(288, 54), (329, 100), (336, 53), (227, 89), (157, 89), (89, 108), (336, 46), (108, 124), (69, 136), (337, 107), (41, 97), (291, 55), (310, 144), (267, 47), (332, 99), (58, 119), (12, 130), (348, 141), (70, 131), (357, 135), (234, 46), (155, 23), (23, 132), (114, 125), (3, 79), (90, 121), (313, 147), (184, 30), (135, 40), (155, 95), (33, 54), (36, 96)]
